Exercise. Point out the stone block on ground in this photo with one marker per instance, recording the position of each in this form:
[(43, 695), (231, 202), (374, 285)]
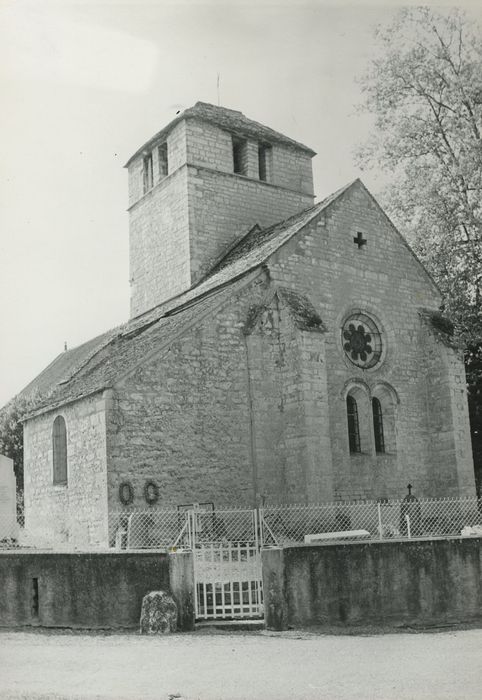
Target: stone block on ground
[(158, 613)]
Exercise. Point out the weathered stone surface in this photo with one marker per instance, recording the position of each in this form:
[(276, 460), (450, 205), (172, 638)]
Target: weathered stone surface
[(419, 582), (180, 227), (158, 614), (212, 413), (74, 513), (101, 590)]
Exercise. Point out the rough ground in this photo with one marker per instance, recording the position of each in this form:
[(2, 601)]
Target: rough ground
[(231, 666)]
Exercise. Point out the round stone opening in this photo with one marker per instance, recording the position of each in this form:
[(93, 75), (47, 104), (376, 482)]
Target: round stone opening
[(361, 340)]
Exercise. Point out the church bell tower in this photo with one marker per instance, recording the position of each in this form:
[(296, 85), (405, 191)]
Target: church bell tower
[(198, 186)]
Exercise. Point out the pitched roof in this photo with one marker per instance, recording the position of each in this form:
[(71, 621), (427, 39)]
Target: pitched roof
[(229, 119), (121, 351), (100, 362), (65, 365)]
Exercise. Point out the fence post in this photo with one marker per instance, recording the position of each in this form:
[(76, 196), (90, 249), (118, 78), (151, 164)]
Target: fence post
[(380, 526), (407, 518), (260, 523), (192, 528)]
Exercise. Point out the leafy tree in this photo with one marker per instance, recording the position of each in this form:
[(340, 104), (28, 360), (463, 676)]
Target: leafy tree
[(11, 433), (424, 90)]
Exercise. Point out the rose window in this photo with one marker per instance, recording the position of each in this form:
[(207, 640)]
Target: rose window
[(361, 340)]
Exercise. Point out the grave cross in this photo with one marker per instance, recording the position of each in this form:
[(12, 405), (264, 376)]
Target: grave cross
[(359, 240), (409, 487)]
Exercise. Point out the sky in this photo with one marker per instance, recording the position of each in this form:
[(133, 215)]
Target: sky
[(85, 83)]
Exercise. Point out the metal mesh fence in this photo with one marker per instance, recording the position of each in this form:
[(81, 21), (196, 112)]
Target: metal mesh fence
[(163, 529), (274, 525), (371, 520), (151, 529), (230, 526)]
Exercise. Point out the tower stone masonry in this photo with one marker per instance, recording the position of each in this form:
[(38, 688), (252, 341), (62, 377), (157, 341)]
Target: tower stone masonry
[(223, 172)]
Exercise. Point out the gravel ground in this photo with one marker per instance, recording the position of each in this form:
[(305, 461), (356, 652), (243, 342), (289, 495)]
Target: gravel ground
[(235, 666)]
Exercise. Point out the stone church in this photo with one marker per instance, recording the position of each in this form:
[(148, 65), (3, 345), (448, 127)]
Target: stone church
[(278, 350)]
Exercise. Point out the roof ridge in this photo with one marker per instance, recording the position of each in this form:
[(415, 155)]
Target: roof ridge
[(97, 348), (65, 354), (200, 103)]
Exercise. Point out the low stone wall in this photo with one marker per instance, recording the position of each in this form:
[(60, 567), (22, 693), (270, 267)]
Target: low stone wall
[(413, 582), (90, 590)]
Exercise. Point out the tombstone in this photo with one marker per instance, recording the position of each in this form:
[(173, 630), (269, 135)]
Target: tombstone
[(8, 500), (410, 515)]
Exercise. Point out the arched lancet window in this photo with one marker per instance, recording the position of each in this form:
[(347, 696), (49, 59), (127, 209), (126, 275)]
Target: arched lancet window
[(384, 412), (378, 426), (59, 445), (353, 425)]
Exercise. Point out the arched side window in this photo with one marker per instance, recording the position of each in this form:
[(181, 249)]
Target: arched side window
[(353, 424), (384, 410), (59, 447), (378, 426)]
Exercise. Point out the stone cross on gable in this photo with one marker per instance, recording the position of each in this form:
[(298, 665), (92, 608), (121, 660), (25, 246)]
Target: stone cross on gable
[(359, 240), (409, 487)]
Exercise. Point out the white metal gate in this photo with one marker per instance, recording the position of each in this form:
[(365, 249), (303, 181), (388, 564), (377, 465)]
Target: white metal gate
[(227, 564)]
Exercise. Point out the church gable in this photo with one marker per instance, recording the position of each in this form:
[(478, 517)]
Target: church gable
[(396, 237), (369, 289), (351, 239)]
